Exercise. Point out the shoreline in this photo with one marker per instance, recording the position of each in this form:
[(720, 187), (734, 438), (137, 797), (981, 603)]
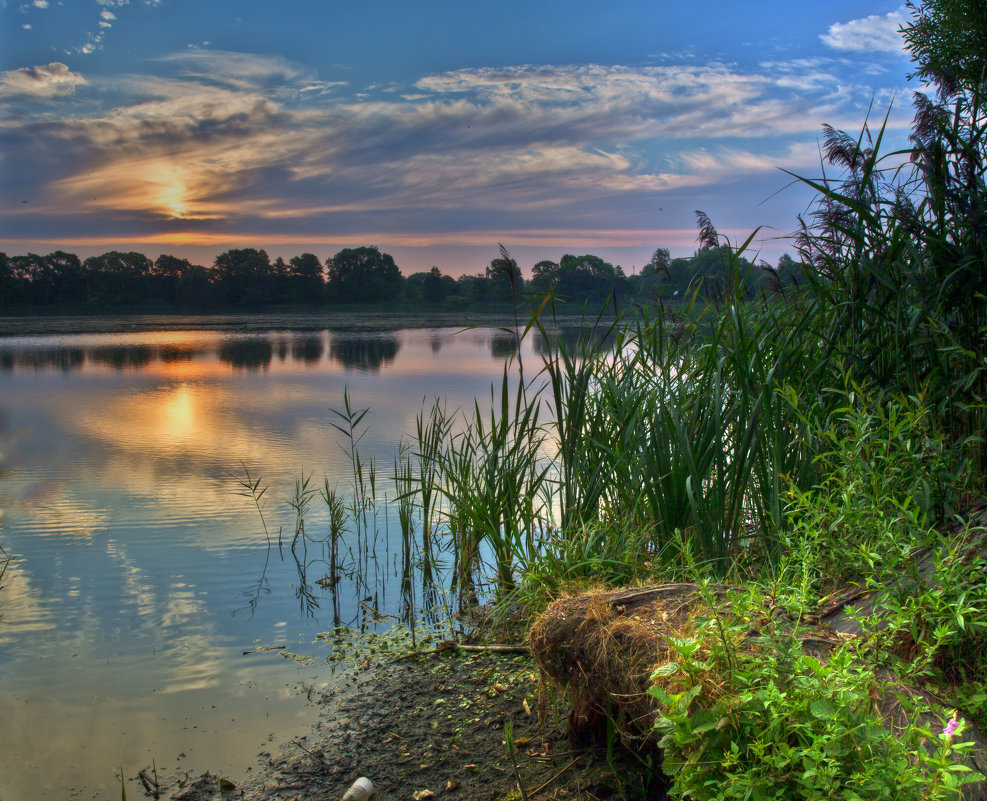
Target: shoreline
[(431, 726)]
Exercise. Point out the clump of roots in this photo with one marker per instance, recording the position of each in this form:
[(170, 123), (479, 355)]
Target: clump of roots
[(603, 648)]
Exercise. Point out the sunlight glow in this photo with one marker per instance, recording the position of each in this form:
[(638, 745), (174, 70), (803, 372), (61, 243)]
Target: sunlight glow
[(178, 412)]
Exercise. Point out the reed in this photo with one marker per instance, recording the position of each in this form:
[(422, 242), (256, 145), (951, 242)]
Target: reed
[(4, 562), (338, 518), (493, 475)]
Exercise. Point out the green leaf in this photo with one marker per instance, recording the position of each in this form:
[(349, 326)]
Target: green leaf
[(668, 669), (814, 664), (704, 720), (822, 709)]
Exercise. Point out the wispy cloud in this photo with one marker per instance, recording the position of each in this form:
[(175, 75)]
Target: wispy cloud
[(869, 34), (238, 70)]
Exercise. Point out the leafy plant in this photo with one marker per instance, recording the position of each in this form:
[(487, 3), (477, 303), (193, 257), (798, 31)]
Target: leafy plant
[(767, 720)]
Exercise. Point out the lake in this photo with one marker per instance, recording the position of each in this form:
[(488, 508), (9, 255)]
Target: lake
[(140, 573)]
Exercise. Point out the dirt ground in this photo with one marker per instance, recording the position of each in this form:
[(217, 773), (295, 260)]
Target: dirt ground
[(433, 726)]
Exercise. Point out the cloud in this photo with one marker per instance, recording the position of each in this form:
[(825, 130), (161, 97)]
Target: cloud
[(869, 34), (107, 18), (239, 142), (240, 70), (45, 81)]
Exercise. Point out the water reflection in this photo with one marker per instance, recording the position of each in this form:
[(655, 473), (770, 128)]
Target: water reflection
[(247, 354), (124, 357), (140, 573), (366, 352), (362, 352), (60, 359), (178, 353), (308, 349), (503, 345), (573, 339)]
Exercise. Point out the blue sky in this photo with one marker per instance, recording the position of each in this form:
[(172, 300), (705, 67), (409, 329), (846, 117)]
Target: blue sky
[(433, 130)]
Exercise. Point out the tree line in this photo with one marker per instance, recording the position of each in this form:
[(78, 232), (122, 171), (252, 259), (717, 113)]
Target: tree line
[(247, 279)]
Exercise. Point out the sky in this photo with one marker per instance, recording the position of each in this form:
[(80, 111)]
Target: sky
[(433, 130)]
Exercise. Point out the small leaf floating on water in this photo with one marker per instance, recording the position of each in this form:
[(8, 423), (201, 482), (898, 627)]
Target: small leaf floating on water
[(452, 785)]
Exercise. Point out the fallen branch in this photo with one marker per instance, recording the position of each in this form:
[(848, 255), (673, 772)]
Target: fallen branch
[(555, 777), (495, 649), (150, 785), (376, 615), (452, 645), (262, 648), (310, 753)]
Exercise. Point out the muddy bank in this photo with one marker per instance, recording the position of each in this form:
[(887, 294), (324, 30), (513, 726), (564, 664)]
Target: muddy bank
[(432, 727)]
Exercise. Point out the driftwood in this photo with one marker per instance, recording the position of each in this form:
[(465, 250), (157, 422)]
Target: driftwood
[(261, 649), (453, 645), (601, 648)]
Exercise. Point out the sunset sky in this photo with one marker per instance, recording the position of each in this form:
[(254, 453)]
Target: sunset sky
[(433, 130)]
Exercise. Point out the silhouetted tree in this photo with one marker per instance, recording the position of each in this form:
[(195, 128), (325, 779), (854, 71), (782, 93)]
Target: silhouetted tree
[(243, 277), (433, 288), (306, 283), (362, 275), (581, 278), (168, 273), (118, 279)]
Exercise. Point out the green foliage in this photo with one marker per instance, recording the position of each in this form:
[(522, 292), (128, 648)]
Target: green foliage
[(785, 725), (885, 482), (896, 259), (947, 40)]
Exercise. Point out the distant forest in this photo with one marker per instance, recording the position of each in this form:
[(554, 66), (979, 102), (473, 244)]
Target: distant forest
[(247, 280)]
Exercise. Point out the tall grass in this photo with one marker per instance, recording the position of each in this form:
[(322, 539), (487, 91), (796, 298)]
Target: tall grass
[(897, 247)]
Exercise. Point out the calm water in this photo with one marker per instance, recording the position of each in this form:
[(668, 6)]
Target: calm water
[(140, 575)]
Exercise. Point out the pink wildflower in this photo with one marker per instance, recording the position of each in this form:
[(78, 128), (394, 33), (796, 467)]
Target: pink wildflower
[(950, 728)]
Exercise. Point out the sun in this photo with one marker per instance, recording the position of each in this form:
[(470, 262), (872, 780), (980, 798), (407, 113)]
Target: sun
[(171, 193), (172, 199)]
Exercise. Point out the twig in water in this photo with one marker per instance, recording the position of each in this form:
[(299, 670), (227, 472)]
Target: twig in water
[(452, 645), (376, 615), (310, 753), (262, 648), (150, 785)]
